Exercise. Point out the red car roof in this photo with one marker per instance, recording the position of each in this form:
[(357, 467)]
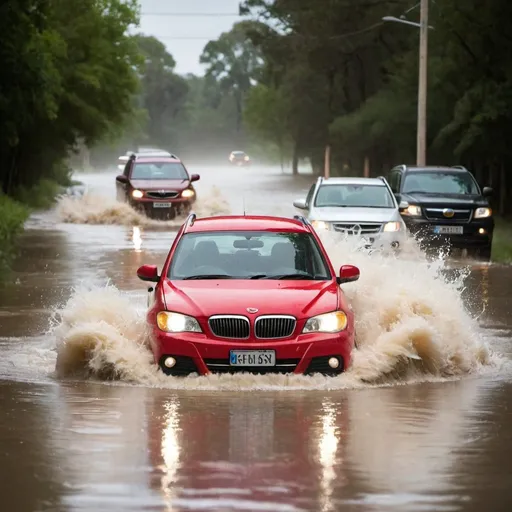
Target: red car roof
[(247, 223), (156, 159)]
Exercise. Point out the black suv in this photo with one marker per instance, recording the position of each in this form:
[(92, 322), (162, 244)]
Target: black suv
[(445, 206)]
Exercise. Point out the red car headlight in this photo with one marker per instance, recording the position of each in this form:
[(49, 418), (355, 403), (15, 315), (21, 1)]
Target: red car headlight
[(168, 321), (335, 321)]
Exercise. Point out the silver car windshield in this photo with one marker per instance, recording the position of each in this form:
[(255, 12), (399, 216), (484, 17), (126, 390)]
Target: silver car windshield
[(354, 196)]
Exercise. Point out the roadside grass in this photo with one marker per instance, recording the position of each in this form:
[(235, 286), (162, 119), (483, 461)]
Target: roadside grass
[(502, 241), (13, 215)]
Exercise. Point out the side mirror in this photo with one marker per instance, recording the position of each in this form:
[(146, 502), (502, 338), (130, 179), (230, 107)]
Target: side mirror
[(122, 178), (403, 205), (348, 274), (487, 191), (300, 204), (194, 177), (148, 273)]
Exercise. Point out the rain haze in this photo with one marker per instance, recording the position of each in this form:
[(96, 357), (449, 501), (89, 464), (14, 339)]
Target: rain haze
[(257, 283), (186, 27)]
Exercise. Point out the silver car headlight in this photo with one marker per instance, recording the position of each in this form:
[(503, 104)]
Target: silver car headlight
[(320, 225), (332, 322), (392, 227), (176, 322), (482, 213)]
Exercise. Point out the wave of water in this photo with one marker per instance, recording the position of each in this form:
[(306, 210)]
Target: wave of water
[(92, 208), (411, 324)]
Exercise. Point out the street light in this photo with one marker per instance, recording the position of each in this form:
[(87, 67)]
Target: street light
[(421, 145)]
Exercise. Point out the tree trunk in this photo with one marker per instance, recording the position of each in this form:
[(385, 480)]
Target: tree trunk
[(295, 159)]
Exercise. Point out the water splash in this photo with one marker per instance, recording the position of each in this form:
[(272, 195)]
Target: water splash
[(411, 325), (92, 208)]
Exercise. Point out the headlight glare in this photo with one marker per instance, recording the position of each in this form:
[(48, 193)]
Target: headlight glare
[(176, 322), (413, 210), (137, 194), (320, 225), (392, 226), (188, 193), (482, 213), (335, 321)]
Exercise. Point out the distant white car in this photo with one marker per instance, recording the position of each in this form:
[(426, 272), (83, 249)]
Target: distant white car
[(364, 207)]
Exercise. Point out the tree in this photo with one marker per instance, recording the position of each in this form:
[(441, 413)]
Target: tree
[(235, 63)]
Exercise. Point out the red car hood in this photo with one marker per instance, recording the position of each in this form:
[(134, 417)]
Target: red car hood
[(160, 184), (223, 297)]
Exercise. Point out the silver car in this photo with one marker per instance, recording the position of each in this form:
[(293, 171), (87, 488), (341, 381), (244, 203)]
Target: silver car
[(364, 207)]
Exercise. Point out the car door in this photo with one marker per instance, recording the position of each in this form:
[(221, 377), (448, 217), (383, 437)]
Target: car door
[(122, 186)]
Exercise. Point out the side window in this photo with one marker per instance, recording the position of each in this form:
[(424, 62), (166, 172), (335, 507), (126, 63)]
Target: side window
[(394, 181), (310, 195)]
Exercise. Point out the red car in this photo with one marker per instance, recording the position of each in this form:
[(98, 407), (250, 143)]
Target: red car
[(157, 184), (249, 293)]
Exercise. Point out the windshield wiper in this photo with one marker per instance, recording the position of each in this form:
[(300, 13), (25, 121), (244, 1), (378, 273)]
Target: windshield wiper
[(209, 276), (259, 276), (291, 276)]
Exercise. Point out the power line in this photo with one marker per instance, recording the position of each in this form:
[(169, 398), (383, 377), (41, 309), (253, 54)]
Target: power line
[(190, 14)]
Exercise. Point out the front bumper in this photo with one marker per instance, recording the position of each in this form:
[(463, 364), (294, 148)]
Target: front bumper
[(475, 234), (306, 354), (380, 240)]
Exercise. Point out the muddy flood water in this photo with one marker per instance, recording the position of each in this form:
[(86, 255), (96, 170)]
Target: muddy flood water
[(421, 422)]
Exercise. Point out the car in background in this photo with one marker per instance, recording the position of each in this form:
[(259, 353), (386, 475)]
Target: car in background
[(444, 206), (362, 207), (156, 184), (249, 294), (239, 158), (123, 159)]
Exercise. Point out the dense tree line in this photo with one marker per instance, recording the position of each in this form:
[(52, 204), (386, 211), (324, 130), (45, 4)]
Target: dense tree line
[(338, 75), (67, 78)]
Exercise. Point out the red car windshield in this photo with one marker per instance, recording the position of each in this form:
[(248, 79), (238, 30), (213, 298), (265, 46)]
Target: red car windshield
[(248, 255), (159, 171)]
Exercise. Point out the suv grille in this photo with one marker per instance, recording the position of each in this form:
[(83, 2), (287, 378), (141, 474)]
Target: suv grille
[(168, 194), (230, 326), (437, 214), (282, 366), (357, 229), (272, 327)]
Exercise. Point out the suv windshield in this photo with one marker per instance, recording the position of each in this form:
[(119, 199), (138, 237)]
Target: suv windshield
[(440, 183), (354, 196), (159, 171), (248, 255)]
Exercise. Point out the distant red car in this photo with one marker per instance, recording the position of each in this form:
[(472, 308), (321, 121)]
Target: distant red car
[(157, 184), (249, 293)]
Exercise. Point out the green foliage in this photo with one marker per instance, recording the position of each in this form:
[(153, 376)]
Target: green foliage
[(12, 217), (502, 242), (67, 75)]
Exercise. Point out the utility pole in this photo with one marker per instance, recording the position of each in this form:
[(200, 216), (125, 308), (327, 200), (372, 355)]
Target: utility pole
[(421, 148)]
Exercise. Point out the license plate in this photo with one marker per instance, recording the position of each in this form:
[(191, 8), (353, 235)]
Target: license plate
[(448, 230), (162, 205), (252, 358)]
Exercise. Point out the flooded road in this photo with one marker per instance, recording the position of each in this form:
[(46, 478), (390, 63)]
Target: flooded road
[(391, 435)]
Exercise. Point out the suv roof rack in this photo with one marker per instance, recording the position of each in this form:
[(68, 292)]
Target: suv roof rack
[(461, 167), (151, 154)]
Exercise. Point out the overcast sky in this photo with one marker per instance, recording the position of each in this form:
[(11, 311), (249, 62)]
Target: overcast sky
[(186, 36)]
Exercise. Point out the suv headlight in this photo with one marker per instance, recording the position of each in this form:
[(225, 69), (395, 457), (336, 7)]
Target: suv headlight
[(392, 226), (412, 210), (335, 321), (176, 322), (137, 194), (320, 225), (482, 213)]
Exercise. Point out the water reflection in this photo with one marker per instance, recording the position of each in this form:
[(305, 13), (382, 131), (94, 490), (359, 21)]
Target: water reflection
[(136, 238), (234, 452)]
